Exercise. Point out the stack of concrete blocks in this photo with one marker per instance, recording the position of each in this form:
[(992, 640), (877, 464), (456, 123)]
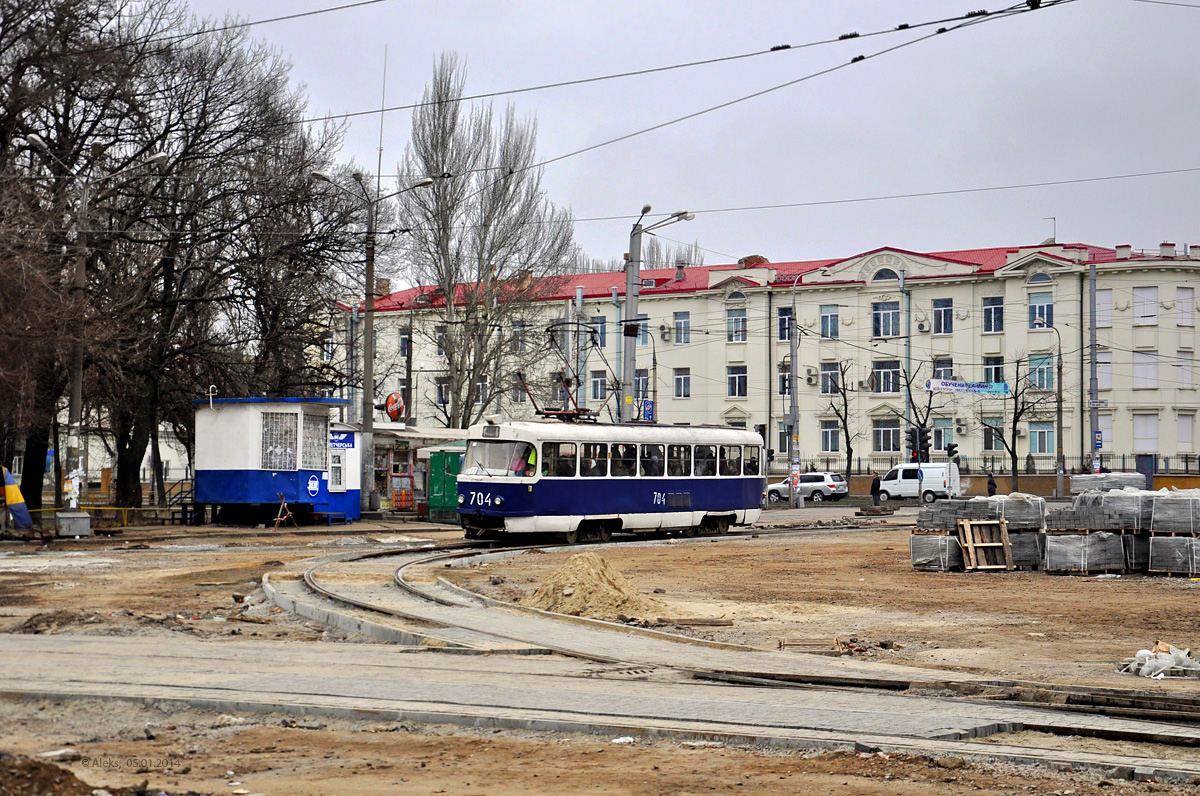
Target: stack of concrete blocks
[(1106, 481), (1024, 516), (935, 552), (1175, 532), (1099, 551), (1111, 524)]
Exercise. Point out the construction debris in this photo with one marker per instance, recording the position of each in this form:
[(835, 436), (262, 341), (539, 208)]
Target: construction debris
[(587, 585), (1161, 660)]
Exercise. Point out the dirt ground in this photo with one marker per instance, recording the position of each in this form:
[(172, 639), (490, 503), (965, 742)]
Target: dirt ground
[(130, 749), (204, 582), (861, 586)]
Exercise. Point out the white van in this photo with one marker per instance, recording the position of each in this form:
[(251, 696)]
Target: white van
[(926, 481)]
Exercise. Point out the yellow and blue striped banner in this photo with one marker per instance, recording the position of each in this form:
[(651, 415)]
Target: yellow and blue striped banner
[(15, 501)]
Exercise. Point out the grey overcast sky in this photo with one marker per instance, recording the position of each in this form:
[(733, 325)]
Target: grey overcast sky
[(1089, 89)]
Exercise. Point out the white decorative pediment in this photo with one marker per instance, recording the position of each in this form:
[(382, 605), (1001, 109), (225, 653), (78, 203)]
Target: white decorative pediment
[(867, 267), (1034, 263)]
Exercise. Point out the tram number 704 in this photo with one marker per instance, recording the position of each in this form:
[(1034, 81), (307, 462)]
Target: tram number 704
[(479, 498), (660, 498)]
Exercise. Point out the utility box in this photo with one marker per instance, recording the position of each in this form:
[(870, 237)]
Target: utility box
[(73, 524), (444, 462)]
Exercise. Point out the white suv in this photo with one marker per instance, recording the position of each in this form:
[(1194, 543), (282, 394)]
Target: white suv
[(813, 486)]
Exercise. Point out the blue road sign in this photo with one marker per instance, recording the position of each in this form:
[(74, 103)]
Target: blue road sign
[(648, 411), (1099, 440)]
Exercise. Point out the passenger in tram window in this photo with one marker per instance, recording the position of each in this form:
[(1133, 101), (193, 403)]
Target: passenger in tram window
[(652, 464), (679, 460), (706, 461), (731, 460), (624, 459), (594, 456)]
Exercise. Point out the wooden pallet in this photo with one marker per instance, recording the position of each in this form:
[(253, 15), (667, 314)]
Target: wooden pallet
[(985, 544), (932, 531)]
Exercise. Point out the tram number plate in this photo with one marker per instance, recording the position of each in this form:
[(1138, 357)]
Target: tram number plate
[(479, 498), (660, 498)]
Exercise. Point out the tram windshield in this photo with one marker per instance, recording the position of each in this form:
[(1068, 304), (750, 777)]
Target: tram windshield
[(487, 457)]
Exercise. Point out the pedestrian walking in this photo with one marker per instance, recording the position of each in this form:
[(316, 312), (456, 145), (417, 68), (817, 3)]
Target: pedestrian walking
[(875, 490), (991, 485)]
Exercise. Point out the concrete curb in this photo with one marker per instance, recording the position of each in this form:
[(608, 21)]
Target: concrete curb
[(1118, 767)]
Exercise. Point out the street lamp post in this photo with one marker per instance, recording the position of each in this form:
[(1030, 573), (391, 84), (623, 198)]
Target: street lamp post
[(82, 524), (631, 327), (794, 406), (369, 497), (1059, 464)]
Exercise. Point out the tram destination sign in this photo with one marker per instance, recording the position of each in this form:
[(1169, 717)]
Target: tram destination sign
[(998, 388)]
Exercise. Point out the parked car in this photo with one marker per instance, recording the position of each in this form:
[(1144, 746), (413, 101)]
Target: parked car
[(926, 481), (813, 486)]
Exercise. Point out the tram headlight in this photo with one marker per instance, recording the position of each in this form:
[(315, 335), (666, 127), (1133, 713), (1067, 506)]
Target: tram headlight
[(460, 500), (499, 500)]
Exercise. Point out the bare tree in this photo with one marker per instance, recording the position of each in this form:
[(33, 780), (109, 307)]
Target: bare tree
[(657, 254), (483, 239), (1027, 395), (840, 404)]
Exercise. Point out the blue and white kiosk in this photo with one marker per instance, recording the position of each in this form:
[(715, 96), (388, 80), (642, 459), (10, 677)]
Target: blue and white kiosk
[(250, 452)]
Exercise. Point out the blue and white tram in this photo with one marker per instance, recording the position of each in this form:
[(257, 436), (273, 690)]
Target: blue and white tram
[(590, 481)]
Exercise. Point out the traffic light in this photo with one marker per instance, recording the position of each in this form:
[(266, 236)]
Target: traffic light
[(951, 450), (910, 441), (923, 443)]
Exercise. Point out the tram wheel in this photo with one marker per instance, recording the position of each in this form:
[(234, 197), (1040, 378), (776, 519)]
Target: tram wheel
[(572, 537), (689, 531), (605, 533), (721, 524)]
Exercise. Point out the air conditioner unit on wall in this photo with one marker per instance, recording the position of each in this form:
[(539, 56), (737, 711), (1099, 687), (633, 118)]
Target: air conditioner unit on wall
[(811, 378), (1020, 432), (664, 332), (922, 326)]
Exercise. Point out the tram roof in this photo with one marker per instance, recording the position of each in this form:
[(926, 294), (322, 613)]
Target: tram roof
[(625, 432)]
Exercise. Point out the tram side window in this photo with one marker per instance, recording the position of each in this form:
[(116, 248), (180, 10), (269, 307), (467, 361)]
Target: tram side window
[(706, 460), (679, 460), (652, 460), (731, 460), (750, 467), (593, 460), (624, 459), (558, 459)]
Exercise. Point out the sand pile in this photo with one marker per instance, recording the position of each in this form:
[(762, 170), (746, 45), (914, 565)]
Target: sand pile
[(587, 585)]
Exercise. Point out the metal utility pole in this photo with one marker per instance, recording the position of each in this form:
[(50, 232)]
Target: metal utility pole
[(907, 350), (1093, 380), (631, 326), (1059, 462), (794, 402)]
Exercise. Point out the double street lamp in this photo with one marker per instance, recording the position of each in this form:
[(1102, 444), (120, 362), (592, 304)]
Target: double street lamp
[(632, 326), (1059, 463), (369, 496), (79, 289)]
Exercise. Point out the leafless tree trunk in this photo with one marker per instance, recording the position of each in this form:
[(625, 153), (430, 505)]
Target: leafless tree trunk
[(1025, 398), (484, 238)]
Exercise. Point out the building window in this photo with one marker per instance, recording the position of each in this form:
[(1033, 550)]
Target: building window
[(885, 319), (1041, 371), (886, 436), (1183, 366), (599, 385), (405, 344), (993, 314), (1040, 279), (831, 377), (735, 325), (943, 368), (735, 377), (1145, 306), (1041, 437), (1186, 425), (683, 327), (785, 323), (785, 437), (518, 337), (1104, 308), (1184, 304), (885, 376), (600, 330), (785, 378), (993, 369), (440, 332), (441, 394), (315, 442), (943, 316), (1104, 370), (683, 382), (643, 337), (558, 388), (993, 433), (1041, 309), (1106, 432), (1145, 433), (1145, 369), (943, 433), (884, 273), (829, 321), (518, 391), (279, 441), (481, 390), (641, 384), (830, 437)]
